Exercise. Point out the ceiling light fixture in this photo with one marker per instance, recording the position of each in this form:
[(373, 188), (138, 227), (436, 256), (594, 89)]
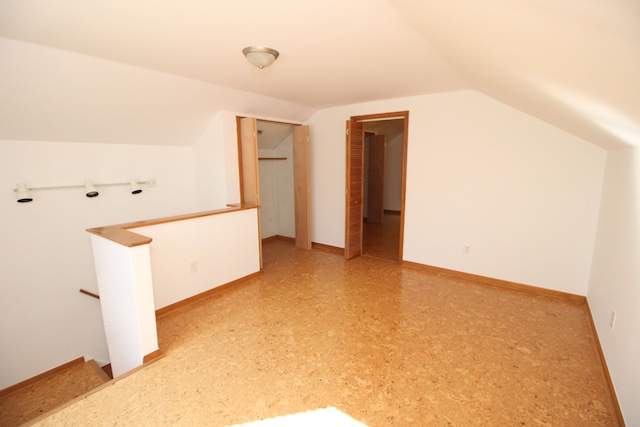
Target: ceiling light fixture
[(23, 195), (23, 192), (135, 187), (260, 56), (90, 189)]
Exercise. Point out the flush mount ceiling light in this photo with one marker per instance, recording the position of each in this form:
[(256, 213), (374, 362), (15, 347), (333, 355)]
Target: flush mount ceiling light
[(260, 56)]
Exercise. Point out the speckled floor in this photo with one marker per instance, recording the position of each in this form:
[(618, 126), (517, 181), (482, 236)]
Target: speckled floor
[(35, 399), (383, 343), (382, 240)]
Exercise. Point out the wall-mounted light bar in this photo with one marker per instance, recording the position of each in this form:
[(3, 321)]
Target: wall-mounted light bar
[(23, 192)]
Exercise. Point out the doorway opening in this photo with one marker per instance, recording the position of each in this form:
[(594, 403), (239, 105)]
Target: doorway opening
[(375, 196), (274, 175)]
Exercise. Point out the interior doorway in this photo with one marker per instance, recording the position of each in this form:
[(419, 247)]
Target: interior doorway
[(376, 169), (275, 175)]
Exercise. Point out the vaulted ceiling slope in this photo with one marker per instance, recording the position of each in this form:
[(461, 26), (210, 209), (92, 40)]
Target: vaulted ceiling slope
[(572, 63)]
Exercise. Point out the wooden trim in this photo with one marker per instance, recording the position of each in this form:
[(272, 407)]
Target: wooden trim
[(40, 377), (239, 152), (278, 237), (405, 153), (495, 282), (328, 248), (272, 158), (271, 121), (91, 294), (318, 246), (120, 233), (152, 357), (392, 115), (611, 391), (169, 308)]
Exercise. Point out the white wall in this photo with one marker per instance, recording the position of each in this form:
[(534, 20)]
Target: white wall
[(224, 247), (393, 173), (277, 212), (210, 160), (393, 130), (615, 279), (46, 253), (523, 194)]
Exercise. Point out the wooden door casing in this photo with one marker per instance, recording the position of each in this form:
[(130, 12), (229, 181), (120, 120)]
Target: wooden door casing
[(302, 186)]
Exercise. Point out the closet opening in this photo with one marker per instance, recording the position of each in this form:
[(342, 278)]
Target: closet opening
[(274, 174)]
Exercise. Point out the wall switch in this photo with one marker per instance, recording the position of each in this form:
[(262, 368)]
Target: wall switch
[(612, 320), (193, 267), (466, 249)]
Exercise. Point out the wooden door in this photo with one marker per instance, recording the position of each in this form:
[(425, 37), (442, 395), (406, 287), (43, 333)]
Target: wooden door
[(302, 186), (355, 189), (375, 185), (249, 173)]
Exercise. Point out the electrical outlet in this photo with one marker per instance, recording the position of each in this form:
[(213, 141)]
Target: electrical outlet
[(466, 249), (612, 320), (193, 267)]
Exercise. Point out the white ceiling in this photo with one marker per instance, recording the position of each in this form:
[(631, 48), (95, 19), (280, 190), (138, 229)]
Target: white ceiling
[(271, 134), (572, 63)]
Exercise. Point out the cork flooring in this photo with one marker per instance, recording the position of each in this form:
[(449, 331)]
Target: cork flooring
[(382, 240), (382, 343), (35, 399)]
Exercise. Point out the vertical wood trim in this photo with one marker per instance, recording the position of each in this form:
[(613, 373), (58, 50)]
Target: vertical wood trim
[(239, 149), (355, 189), (404, 184), (302, 186), (249, 160), (250, 182)]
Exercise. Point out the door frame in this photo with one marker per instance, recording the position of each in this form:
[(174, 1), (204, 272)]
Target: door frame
[(304, 202), (388, 116)]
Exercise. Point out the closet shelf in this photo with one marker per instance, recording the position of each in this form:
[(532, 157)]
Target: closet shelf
[(272, 158)]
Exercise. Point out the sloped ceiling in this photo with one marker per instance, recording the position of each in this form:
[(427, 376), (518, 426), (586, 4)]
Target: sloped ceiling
[(572, 63)]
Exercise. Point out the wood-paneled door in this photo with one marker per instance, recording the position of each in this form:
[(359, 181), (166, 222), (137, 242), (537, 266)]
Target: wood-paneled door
[(355, 189)]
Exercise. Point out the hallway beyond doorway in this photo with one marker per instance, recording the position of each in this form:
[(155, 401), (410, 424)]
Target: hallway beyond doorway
[(381, 240)]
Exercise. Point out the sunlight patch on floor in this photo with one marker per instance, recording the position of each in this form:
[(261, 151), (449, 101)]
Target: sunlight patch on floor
[(320, 417)]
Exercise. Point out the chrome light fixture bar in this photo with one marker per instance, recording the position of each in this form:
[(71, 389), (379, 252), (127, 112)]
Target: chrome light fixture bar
[(23, 192)]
